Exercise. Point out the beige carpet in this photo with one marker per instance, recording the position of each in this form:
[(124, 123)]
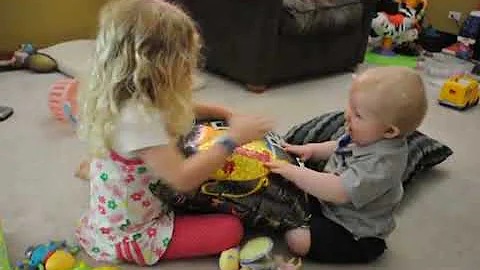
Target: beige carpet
[(438, 223)]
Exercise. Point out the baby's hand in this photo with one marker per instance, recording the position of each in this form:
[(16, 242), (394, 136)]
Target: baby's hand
[(283, 168), (303, 151)]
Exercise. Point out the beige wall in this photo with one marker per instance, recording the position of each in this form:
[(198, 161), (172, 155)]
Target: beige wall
[(437, 13), (46, 22)]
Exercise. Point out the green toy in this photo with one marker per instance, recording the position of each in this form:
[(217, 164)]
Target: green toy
[(256, 254), (397, 60), (4, 263), (26, 57)]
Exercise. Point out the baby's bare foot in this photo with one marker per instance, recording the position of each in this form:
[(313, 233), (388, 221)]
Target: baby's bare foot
[(83, 170)]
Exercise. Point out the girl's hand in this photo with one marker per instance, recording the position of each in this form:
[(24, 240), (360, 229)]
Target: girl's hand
[(305, 152), (224, 113), (246, 128), (204, 111)]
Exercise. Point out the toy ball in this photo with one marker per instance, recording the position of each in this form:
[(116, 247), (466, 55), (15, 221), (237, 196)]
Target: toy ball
[(229, 259), (62, 100), (60, 260)]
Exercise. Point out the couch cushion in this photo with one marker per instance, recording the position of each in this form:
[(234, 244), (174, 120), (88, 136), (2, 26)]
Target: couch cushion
[(73, 57), (313, 17)]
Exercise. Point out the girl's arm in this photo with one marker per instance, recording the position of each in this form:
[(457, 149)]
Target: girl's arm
[(188, 174), (204, 111), (183, 175)]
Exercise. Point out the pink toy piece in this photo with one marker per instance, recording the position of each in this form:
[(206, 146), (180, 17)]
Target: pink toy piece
[(63, 92)]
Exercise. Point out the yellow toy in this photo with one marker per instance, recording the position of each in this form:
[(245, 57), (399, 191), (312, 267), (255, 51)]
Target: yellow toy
[(229, 259), (459, 92), (256, 255), (244, 165), (60, 260)]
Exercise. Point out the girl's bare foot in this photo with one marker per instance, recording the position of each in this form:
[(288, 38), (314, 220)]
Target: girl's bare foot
[(83, 170)]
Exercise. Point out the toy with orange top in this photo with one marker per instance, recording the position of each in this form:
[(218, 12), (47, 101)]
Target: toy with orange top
[(401, 26)]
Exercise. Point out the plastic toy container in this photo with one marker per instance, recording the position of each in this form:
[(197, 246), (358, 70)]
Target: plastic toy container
[(444, 66)]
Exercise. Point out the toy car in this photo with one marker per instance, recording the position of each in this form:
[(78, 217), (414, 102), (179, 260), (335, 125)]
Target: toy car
[(459, 92)]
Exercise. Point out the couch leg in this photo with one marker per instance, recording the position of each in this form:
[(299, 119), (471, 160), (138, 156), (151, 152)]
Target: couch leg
[(256, 88)]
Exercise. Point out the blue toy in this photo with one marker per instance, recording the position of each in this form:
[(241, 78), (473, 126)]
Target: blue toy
[(56, 255), (36, 256)]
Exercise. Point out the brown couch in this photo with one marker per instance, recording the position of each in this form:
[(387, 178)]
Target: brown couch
[(263, 42)]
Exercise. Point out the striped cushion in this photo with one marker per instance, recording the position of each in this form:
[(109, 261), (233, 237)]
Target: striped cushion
[(423, 153)]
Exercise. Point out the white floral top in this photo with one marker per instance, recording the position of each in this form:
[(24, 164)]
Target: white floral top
[(125, 221)]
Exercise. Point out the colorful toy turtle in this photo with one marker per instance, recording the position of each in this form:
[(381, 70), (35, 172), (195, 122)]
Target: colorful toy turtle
[(244, 187), (247, 162)]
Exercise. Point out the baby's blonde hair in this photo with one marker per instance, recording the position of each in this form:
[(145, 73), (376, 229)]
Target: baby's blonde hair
[(146, 51), (396, 95)]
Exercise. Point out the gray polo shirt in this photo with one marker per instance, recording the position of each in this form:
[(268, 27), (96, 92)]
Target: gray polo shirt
[(372, 177)]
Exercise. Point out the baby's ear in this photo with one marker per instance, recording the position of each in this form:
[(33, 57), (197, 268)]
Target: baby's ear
[(391, 132)]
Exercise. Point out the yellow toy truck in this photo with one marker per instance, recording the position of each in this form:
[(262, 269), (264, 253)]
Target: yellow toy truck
[(459, 92)]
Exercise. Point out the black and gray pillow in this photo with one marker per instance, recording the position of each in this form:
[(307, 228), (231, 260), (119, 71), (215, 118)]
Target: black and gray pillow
[(424, 152)]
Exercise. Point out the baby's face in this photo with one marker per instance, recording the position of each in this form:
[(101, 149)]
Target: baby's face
[(363, 125)]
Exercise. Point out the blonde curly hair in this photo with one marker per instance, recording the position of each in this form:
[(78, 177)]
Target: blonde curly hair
[(146, 51)]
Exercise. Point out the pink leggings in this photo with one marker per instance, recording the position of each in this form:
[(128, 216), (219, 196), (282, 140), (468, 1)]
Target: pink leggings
[(203, 235)]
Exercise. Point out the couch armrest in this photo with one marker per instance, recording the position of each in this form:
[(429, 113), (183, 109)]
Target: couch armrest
[(243, 32)]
